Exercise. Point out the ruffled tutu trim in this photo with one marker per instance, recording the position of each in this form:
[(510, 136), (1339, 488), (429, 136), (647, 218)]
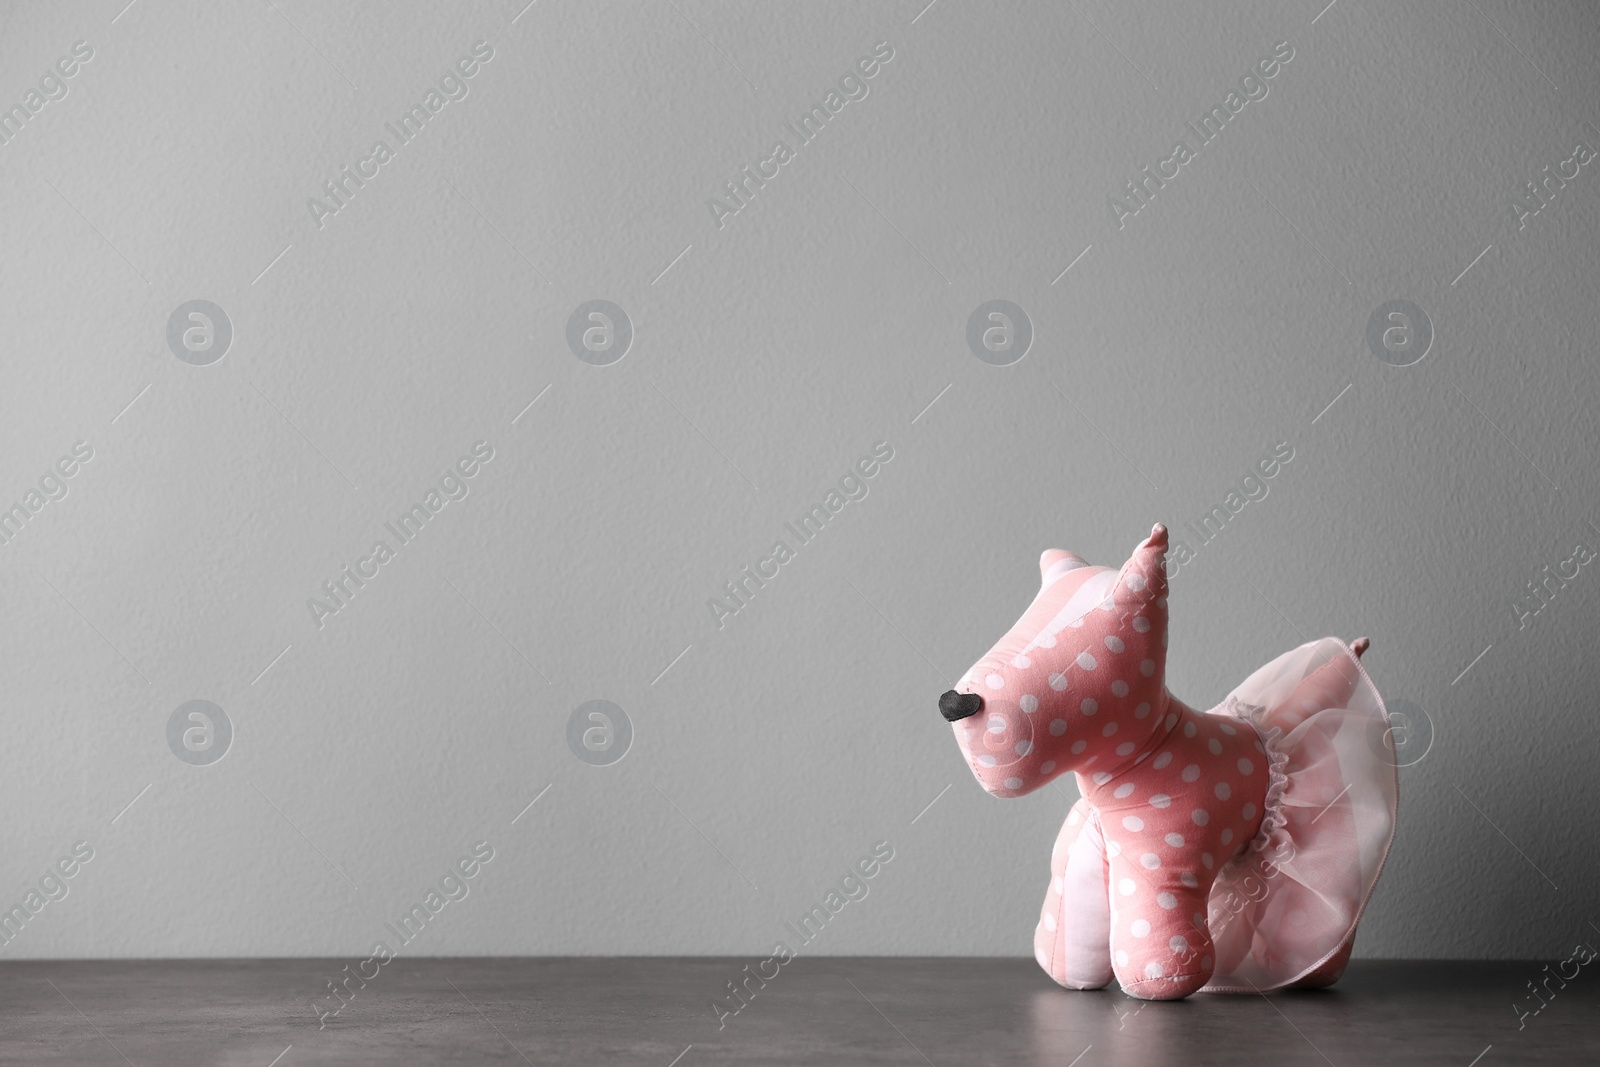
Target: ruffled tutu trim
[(1291, 900)]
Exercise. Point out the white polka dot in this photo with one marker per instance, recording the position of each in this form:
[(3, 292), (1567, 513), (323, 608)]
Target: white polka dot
[(1200, 816), (1013, 783), (1049, 921), (1133, 823), (1179, 944), (1297, 917), (1089, 706), (1223, 791), (1058, 727), (1167, 900), (1102, 777), (1079, 746), (1227, 836), (994, 681), (1215, 746), (1058, 681), (1047, 640), (1205, 858), (1126, 748), (1047, 766), (1191, 773), (1122, 958), (997, 724), (1190, 729), (1171, 721), (1073, 816), (1150, 860), (1198, 920), (1135, 581), (1030, 703), (1160, 800), (1147, 667), (1124, 790), (1225, 728), (1119, 688), (1058, 885), (1245, 766), (1162, 760), (987, 761), (1110, 728), (1086, 661), (1114, 643), (1152, 969), (1140, 928), (1188, 879), (1248, 811), (1141, 711), (1022, 663), (1126, 887), (1175, 840), (1141, 624), (1023, 747)]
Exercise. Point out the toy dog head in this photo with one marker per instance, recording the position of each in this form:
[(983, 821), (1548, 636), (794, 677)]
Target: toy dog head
[(1079, 681)]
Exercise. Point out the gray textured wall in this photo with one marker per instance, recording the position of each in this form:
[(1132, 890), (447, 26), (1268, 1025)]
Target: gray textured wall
[(374, 345)]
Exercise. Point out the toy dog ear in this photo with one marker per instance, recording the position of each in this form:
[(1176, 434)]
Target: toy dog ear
[(1068, 561), (1144, 576)]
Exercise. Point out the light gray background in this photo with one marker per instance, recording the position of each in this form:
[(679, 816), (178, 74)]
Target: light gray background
[(826, 316)]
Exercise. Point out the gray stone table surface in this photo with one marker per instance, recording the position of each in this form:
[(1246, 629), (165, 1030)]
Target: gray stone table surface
[(658, 1012)]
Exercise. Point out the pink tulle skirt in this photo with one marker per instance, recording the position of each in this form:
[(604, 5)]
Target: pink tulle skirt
[(1291, 900)]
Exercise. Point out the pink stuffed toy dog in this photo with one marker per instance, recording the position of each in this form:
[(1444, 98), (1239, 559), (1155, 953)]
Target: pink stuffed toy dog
[(1224, 851)]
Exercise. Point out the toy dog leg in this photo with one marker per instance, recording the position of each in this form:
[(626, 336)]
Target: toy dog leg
[(1072, 940), (1161, 947)]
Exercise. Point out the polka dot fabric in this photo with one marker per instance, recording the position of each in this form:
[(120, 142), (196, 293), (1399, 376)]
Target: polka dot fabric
[(1157, 877)]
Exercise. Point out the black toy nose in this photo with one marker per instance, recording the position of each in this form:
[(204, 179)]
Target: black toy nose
[(954, 705)]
